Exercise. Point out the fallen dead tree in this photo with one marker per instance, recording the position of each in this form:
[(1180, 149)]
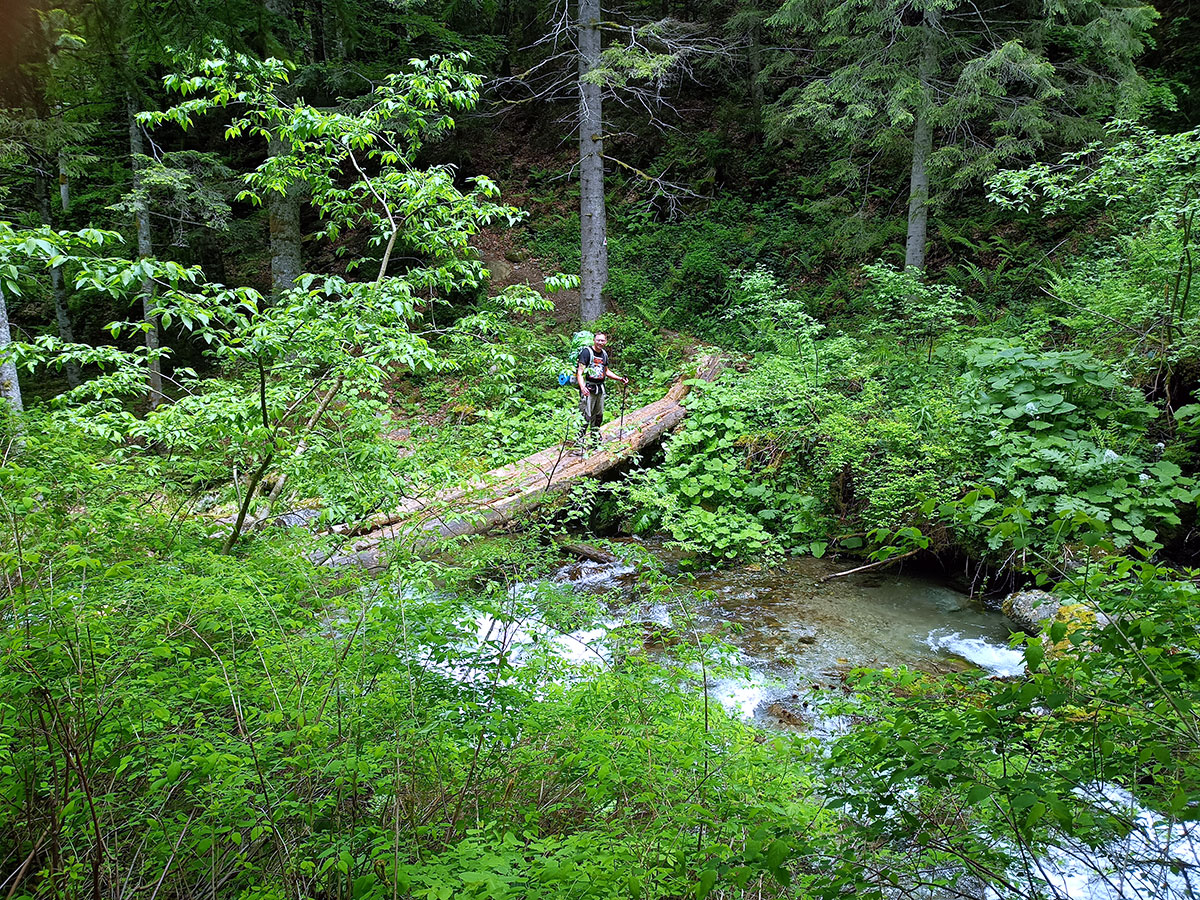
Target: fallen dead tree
[(492, 501)]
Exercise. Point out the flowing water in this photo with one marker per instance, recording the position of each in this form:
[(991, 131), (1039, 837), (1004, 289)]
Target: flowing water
[(797, 629), (797, 622)]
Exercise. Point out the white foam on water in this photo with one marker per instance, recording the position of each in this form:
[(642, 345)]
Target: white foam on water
[(473, 659), (521, 638), (525, 640), (992, 657), (583, 647), (660, 615), (1157, 860), (740, 697), (591, 574)]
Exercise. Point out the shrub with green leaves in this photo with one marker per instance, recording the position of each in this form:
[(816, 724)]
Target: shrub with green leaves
[(1133, 297), (770, 317), (1062, 436), (770, 460), (172, 718), (912, 308), (1041, 447)]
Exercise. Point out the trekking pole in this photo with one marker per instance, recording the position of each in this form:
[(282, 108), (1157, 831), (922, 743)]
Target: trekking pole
[(621, 427)]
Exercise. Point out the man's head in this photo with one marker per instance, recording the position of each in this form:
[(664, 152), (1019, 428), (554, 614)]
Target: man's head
[(600, 340)]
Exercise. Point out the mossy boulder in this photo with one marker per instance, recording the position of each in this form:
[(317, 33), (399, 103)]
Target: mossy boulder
[(1030, 610), (1033, 611)]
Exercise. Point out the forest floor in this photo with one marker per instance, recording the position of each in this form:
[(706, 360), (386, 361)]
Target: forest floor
[(509, 264)]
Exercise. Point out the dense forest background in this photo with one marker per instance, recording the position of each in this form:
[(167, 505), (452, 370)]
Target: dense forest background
[(274, 273), (801, 120)]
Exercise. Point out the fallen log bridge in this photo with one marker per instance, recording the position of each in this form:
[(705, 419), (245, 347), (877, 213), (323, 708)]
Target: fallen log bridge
[(496, 498)]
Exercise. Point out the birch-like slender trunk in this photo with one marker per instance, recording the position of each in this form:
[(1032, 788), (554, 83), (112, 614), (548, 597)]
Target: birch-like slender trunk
[(64, 182), (593, 266), (145, 248), (58, 285), (918, 196), (10, 386)]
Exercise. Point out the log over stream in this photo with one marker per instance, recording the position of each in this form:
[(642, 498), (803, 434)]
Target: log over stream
[(492, 501)]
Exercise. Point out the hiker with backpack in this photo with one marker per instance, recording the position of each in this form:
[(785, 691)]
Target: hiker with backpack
[(591, 371)]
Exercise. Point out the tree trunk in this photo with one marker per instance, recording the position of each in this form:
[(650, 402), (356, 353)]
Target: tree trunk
[(58, 286), (276, 23), (593, 264), (283, 212), (335, 35), (493, 500), (918, 196), (64, 182), (754, 57), (63, 317), (137, 150), (10, 387), (317, 13)]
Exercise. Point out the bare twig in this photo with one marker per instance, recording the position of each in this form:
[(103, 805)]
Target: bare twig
[(876, 564)]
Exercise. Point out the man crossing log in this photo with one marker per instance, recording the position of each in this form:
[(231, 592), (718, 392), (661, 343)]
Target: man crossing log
[(591, 372)]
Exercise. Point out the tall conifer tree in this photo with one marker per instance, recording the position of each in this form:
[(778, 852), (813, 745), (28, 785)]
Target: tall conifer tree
[(960, 87)]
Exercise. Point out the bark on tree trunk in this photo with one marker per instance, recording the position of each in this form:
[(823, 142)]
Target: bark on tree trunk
[(317, 13), (145, 247), (64, 182), (335, 36), (593, 266), (10, 387), (918, 197), (283, 212), (62, 315), (277, 20)]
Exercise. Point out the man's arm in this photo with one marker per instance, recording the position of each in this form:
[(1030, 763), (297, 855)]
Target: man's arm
[(579, 378), (609, 373)]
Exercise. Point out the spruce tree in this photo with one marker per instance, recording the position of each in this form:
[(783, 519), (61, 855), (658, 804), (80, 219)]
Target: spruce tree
[(960, 87)]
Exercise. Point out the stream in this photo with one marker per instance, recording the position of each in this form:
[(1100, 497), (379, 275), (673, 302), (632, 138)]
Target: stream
[(797, 631)]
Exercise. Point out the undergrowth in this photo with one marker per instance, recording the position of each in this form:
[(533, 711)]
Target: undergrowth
[(176, 722)]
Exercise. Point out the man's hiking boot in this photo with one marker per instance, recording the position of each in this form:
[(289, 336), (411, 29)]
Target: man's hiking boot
[(586, 444)]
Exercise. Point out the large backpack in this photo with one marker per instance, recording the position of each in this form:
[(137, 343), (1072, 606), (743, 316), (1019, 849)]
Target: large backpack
[(579, 340)]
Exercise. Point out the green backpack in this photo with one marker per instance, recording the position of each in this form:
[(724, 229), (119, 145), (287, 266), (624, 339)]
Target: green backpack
[(579, 340)]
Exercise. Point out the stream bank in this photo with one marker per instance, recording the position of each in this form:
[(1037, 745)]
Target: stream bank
[(799, 628)]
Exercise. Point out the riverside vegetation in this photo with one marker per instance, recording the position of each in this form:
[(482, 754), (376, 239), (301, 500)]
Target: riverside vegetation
[(192, 706)]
